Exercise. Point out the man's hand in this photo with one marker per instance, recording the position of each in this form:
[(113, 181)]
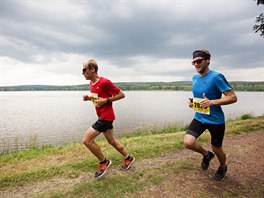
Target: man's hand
[(190, 102), (205, 102), (101, 102), (86, 97)]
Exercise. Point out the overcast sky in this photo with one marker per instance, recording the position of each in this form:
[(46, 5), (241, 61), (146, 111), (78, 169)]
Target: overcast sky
[(46, 41)]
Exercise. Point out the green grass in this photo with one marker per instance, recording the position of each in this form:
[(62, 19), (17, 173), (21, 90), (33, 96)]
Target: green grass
[(26, 167), (152, 145)]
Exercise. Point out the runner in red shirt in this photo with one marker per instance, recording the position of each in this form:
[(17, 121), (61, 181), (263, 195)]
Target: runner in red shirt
[(103, 93)]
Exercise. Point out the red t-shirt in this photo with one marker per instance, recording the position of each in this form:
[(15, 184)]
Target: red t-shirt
[(104, 88)]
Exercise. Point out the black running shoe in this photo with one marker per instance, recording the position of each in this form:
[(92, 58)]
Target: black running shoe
[(220, 173), (102, 168), (206, 160)]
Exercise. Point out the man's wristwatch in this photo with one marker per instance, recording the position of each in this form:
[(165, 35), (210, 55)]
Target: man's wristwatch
[(108, 100)]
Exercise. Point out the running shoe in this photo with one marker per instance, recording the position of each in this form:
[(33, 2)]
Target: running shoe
[(127, 163), (206, 160), (220, 173), (102, 168)]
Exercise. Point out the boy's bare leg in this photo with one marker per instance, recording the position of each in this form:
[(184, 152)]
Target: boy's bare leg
[(88, 141), (109, 135)]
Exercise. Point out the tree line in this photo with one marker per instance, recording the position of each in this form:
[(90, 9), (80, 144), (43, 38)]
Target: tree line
[(137, 86)]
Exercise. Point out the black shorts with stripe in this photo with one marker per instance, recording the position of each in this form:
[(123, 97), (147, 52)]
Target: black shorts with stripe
[(217, 131), (102, 125)]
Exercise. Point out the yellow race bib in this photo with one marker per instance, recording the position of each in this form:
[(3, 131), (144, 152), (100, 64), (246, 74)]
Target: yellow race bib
[(198, 107), (94, 99)]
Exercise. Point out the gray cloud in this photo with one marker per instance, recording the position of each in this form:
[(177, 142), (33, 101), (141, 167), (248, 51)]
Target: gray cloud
[(116, 32)]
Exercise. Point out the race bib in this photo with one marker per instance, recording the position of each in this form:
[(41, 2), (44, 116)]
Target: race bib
[(198, 107), (94, 98)]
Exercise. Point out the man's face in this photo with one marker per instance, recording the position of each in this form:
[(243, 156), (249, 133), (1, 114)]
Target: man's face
[(200, 64), (87, 72)]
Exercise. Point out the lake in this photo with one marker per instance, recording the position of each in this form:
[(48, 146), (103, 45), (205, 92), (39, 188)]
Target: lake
[(57, 117)]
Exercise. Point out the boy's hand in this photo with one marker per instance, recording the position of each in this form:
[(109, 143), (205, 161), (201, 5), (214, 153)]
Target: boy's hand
[(190, 102), (86, 97)]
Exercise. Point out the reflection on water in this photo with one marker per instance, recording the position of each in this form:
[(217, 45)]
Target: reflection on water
[(39, 118)]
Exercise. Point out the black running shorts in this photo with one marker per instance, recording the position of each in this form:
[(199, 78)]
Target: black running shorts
[(217, 131), (102, 125)]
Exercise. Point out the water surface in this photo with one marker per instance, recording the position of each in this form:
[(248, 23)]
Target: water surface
[(56, 117)]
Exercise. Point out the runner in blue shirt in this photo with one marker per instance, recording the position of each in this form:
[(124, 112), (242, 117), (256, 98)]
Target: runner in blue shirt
[(208, 87)]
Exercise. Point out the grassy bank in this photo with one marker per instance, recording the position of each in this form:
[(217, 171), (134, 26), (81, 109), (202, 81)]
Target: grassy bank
[(72, 167)]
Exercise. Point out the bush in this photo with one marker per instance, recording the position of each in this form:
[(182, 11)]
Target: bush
[(246, 116)]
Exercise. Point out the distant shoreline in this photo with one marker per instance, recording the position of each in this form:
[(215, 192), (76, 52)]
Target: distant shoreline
[(134, 86)]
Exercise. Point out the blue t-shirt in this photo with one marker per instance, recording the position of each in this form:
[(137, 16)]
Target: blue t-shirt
[(213, 84)]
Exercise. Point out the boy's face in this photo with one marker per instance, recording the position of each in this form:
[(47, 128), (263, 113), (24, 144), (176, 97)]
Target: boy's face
[(87, 72)]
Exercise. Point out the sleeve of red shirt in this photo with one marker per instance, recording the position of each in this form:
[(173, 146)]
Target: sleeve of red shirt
[(111, 88)]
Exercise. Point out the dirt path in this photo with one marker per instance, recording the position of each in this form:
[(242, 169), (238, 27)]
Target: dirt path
[(245, 176)]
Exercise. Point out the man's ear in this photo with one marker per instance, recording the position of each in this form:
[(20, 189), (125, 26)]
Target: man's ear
[(91, 69)]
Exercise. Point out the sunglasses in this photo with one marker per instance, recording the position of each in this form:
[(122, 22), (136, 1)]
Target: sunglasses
[(198, 61), (84, 70)]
